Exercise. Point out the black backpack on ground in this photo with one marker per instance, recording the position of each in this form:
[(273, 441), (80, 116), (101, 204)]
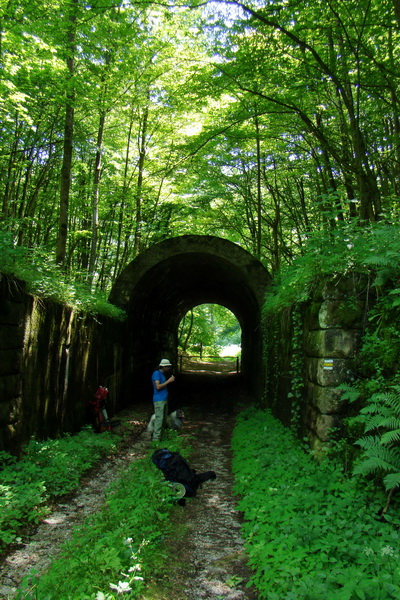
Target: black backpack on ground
[(178, 470)]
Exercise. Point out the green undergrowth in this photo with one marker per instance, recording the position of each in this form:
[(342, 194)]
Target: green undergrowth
[(372, 251), (310, 532), (44, 279), (47, 470), (118, 549)]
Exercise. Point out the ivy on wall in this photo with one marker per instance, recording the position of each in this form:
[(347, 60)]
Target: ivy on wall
[(296, 371), (284, 357)]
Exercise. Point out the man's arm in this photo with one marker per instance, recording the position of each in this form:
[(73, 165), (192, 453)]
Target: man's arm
[(161, 386)]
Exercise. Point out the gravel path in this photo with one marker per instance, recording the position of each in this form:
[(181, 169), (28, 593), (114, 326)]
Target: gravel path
[(217, 558), (209, 561)]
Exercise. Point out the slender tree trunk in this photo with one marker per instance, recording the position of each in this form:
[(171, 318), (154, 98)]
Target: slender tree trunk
[(276, 227), (22, 204), (368, 191), (396, 5), (139, 189), (95, 197), (65, 183), (395, 107), (10, 167), (259, 191), (189, 332), (249, 204), (303, 214), (119, 263)]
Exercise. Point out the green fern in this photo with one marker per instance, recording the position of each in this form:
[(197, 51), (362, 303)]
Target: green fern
[(351, 393), (377, 457), (381, 449), (393, 399), (391, 437), (374, 422), (379, 260), (392, 481)]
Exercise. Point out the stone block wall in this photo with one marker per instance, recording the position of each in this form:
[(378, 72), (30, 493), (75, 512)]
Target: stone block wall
[(333, 324), (326, 356), (51, 362), (12, 331)]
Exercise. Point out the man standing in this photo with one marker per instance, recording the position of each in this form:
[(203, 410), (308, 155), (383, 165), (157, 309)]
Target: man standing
[(160, 395)]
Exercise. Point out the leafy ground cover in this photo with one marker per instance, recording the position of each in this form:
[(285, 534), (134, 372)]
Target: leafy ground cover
[(310, 531), (47, 470), (115, 549), (200, 555)]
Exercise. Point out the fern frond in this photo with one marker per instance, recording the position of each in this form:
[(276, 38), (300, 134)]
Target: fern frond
[(381, 449), (349, 392), (377, 457), (375, 422), (378, 260), (391, 437), (374, 464), (392, 480), (390, 423), (369, 442), (376, 408), (393, 399)]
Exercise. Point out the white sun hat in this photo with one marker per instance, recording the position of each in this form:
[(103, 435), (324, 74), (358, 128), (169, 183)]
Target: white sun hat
[(165, 363)]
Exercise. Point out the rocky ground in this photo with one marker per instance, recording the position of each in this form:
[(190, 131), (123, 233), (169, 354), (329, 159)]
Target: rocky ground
[(207, 550)]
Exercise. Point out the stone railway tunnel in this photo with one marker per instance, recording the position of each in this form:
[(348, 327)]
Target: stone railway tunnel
[(162, 284), (51, 358)]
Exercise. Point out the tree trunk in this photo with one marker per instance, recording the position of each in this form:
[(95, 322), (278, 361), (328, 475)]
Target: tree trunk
[(118, 264), (95, 198), (9, 177), (259, 194), (189, 332), (396, 5), (139, 189), (65, 183)]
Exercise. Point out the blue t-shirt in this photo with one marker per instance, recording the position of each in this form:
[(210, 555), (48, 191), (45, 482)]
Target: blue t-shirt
[(159, 394)]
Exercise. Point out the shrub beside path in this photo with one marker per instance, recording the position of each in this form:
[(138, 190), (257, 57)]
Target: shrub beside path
[(206, 549)]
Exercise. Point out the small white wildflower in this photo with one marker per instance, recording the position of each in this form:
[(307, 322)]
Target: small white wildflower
[(100, 596), (128, 541), (387, 551), (121, 588), (137, 578), (273, 489), (136, 567), (368, 551)]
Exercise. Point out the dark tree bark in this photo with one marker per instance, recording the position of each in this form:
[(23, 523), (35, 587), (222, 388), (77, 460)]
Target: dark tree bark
[(65, 183)]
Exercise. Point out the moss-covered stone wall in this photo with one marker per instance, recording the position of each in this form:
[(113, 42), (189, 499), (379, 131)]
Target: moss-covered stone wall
[(310, 350), (51, 362)]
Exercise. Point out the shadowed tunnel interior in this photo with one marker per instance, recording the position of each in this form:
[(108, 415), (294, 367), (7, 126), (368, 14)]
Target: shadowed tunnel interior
[(159, 287)]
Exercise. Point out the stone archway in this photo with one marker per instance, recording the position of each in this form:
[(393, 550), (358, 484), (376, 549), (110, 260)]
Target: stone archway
[(171, 277)]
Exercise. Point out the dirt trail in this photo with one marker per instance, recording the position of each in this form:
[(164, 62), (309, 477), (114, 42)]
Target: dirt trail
[(209, 560)]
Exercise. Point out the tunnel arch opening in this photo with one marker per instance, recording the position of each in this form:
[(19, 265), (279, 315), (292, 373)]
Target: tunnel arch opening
[(209, 329), (163, 283)]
